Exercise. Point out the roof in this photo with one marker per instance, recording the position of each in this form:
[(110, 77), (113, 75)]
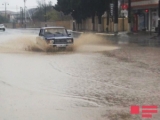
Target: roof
[(142, 4), (52, 27)]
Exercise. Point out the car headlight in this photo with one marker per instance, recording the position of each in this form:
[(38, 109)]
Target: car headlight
[(69, 40), (51, 41)]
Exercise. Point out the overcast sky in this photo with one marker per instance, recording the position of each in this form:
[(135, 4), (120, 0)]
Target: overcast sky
[(14, 5)]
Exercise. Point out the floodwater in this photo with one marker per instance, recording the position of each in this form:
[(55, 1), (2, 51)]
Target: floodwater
[(83, 84)]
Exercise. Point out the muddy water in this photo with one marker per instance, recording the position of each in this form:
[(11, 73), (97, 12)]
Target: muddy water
[(77, 85), (27, 42)]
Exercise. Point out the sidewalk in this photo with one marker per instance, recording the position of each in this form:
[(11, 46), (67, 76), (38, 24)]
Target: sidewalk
[(140, 38)]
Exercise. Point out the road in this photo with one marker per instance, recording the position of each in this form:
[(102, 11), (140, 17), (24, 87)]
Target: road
[(84, 84)]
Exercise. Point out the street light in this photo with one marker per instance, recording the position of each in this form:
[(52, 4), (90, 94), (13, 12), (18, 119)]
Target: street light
[(5, 8), (24, 13)]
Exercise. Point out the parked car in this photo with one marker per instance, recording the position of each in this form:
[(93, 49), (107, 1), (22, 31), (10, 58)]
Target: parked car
[(55, 36), (2, 27)]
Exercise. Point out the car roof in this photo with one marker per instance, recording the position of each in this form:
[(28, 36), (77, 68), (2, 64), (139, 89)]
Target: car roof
[(52, 27)]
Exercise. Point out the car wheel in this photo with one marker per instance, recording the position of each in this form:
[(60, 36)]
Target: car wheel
[(3, 29)]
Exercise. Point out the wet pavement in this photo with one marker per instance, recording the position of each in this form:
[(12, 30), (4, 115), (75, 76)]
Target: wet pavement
[(84, 84)]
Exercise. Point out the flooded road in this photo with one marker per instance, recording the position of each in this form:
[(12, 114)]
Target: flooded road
[(84, 84)]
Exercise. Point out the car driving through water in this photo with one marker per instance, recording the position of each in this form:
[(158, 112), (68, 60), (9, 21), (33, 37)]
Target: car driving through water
[(56, 37)]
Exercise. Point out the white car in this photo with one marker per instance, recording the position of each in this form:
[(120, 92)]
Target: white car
[(2, 27)]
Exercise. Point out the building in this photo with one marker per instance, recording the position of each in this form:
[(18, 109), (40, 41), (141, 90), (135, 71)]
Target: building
[(10, 15), (18, 17), (144, 14)]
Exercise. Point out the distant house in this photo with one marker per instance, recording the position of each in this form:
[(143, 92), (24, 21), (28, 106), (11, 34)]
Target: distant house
[(18, 17), (12, 16)]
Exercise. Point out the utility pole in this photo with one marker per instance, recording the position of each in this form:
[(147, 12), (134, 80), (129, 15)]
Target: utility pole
[(24, 13), (5, 4), (108, 14), (123, 14), (21, 10), (159, 18), (16, 13), (129, 16), (115, 17), (45, 14)]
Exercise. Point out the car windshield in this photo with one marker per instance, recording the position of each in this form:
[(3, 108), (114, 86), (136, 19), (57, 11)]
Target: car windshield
[(55, 31)]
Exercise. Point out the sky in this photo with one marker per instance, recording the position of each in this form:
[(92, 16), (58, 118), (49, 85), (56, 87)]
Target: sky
[(14, 5)]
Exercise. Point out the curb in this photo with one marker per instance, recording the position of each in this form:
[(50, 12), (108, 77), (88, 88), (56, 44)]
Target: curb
[(105, 34), (31, 28), (77, 32)]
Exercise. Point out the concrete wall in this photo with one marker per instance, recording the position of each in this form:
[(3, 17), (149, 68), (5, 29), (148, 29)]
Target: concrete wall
[(8, 25), (86, 25), (67, 24), (120, 24)]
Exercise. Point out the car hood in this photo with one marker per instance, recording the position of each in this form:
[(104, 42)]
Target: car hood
[(57, 37)]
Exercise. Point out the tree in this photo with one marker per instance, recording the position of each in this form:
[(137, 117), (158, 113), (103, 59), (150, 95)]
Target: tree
[(72, 7), (52, 15), (40, 13), (82, 9), (45, 12)]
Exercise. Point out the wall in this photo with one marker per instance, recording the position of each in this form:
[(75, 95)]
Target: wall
[(120, 24), (8, 25), (86, 24), (67, 24)]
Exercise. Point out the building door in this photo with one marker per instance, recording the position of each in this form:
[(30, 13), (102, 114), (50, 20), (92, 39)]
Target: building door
[(135, 23), (141, 21), (147, 21)]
